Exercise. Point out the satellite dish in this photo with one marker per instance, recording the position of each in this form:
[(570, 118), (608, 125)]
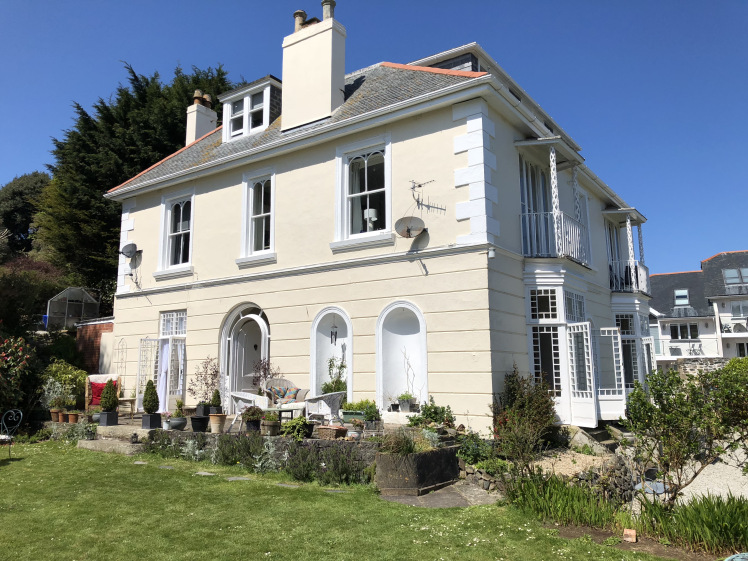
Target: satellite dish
[(129, 250), (409, 227)]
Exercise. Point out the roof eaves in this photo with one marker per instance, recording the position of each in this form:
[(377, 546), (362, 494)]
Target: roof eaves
[(164, 160), (446, 71)]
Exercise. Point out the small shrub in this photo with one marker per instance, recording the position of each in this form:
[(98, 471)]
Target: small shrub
[(150, 398), (161, 443), (339, 466), (473, 448), (522, 416), (237, 449), (370, 409), (205, 380), (252, 413), (71, 378), (109, 399), (296, 428), (303, 461), (432, 413), (399, 442), (215, 400), (264, 461), (494, 466), (336, 370), (179, 412), (14, 367)]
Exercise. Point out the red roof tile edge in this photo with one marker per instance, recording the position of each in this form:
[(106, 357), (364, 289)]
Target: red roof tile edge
[(162, 161), (675, 273), (464, 73), (725, 253)]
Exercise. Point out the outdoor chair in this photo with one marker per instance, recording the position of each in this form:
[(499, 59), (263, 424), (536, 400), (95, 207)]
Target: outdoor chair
[(9, 424), (283, 394), (325, 408), (94, 386)]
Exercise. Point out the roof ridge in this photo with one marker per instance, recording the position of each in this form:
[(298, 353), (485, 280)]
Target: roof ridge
[(724, 253), (163, 160), (463, 73), (675, 273)]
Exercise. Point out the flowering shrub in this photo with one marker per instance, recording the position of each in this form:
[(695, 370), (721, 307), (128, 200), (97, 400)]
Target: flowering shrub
[(14, 363)]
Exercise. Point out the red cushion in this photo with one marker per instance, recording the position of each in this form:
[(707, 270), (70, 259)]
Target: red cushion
[(96, 390)]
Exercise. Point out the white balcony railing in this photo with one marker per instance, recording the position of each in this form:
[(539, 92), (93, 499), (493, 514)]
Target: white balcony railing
[(539, 239), (629, 276)]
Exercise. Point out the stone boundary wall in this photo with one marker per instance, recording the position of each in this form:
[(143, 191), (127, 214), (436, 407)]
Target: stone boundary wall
[(686, 366)]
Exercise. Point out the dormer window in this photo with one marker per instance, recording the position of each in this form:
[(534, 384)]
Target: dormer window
[(250, 109), (736, 276), (681, 297)]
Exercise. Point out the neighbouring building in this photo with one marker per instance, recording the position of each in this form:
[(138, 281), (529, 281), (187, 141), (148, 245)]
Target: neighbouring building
[(700, 316), (427, 223)]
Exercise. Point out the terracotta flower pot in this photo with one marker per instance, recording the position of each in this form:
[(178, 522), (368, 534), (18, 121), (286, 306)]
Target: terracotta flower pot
[(217, 420), (72, 418), (55, 414)]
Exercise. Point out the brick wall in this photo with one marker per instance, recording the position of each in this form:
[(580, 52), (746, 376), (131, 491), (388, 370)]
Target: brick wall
[(88, 343)]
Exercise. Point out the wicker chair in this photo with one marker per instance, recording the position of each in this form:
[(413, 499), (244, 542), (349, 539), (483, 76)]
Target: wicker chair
[(99, 379), (298, 406)]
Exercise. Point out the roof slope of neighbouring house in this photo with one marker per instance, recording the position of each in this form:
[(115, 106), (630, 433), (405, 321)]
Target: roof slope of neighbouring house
[(663, 287), (366, 91)]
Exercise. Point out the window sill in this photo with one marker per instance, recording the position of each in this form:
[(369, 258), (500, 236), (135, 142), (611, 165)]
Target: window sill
[(175, 273), (258, 259), (363, 242)]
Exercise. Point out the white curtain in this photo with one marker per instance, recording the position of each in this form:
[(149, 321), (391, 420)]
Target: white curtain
[(163, 377)]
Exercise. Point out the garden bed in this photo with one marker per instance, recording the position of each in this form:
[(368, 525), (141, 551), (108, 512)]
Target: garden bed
[(417, 473)]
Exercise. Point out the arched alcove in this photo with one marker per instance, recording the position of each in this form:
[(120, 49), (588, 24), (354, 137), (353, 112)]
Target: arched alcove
[(245, 339), (331, 336), (401, 354)]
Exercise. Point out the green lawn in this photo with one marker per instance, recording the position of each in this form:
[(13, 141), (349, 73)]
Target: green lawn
[(61, 503)]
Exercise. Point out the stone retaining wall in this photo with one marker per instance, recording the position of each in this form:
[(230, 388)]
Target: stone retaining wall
[(694, 365)]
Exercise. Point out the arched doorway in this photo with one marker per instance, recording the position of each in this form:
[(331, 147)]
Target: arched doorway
[(245, 339), (401, 354), (331, 337)]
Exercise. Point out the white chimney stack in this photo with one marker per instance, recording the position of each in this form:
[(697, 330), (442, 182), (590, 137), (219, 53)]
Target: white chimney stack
[(201, 119), (313, 68)]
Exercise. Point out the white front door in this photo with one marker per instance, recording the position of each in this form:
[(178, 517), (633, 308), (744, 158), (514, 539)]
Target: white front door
[(581, 372)]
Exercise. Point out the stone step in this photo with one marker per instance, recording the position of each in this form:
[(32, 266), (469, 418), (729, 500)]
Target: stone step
[(122, 432), (111, 446)]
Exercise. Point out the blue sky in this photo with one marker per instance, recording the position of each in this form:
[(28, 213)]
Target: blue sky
[(654, 92)]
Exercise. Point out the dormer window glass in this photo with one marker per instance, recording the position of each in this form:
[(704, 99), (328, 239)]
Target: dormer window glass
[(250, 109), (736, 276), (237, 117), (257, 103), (681, 297)]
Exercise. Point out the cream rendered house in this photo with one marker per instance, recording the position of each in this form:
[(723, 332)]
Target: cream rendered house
[(276, 236)]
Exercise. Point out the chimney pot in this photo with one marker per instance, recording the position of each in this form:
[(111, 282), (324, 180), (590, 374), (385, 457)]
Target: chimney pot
[(299, 17), (197, 97), (328, 9), (207, 101)]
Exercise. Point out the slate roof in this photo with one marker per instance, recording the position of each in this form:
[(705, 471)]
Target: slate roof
[(714, 280), (663, 297), (702, 285), (366, 90)]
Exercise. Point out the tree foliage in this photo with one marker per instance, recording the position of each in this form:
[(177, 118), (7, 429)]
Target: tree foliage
[(683, 424), (18, 200), (143, 122), (26, 284)]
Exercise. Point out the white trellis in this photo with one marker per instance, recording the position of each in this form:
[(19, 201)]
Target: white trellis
[(147, 367)]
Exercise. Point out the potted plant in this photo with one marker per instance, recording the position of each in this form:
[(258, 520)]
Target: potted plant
[(269, 424), (405, 400), (217, 417), (57, 404), (252, 415), (53, 398), (109, 403), (199, 423), (73, 416), (336, 371), (358, 429), (151, 419), (215, 403), (166, 420), (202, 385), (298, 428), (94, 414), (178, 421)]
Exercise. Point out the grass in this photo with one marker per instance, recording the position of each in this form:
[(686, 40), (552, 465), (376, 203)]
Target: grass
[(59, 502)]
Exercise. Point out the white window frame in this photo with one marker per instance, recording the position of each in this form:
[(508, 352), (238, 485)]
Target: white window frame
[(176, 333), (249, 257), (538, 315), (742, 306), (741, 275), (574, 304), (688, 327), (246, 113), (166, 270), (681, 297), (344, 241)]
